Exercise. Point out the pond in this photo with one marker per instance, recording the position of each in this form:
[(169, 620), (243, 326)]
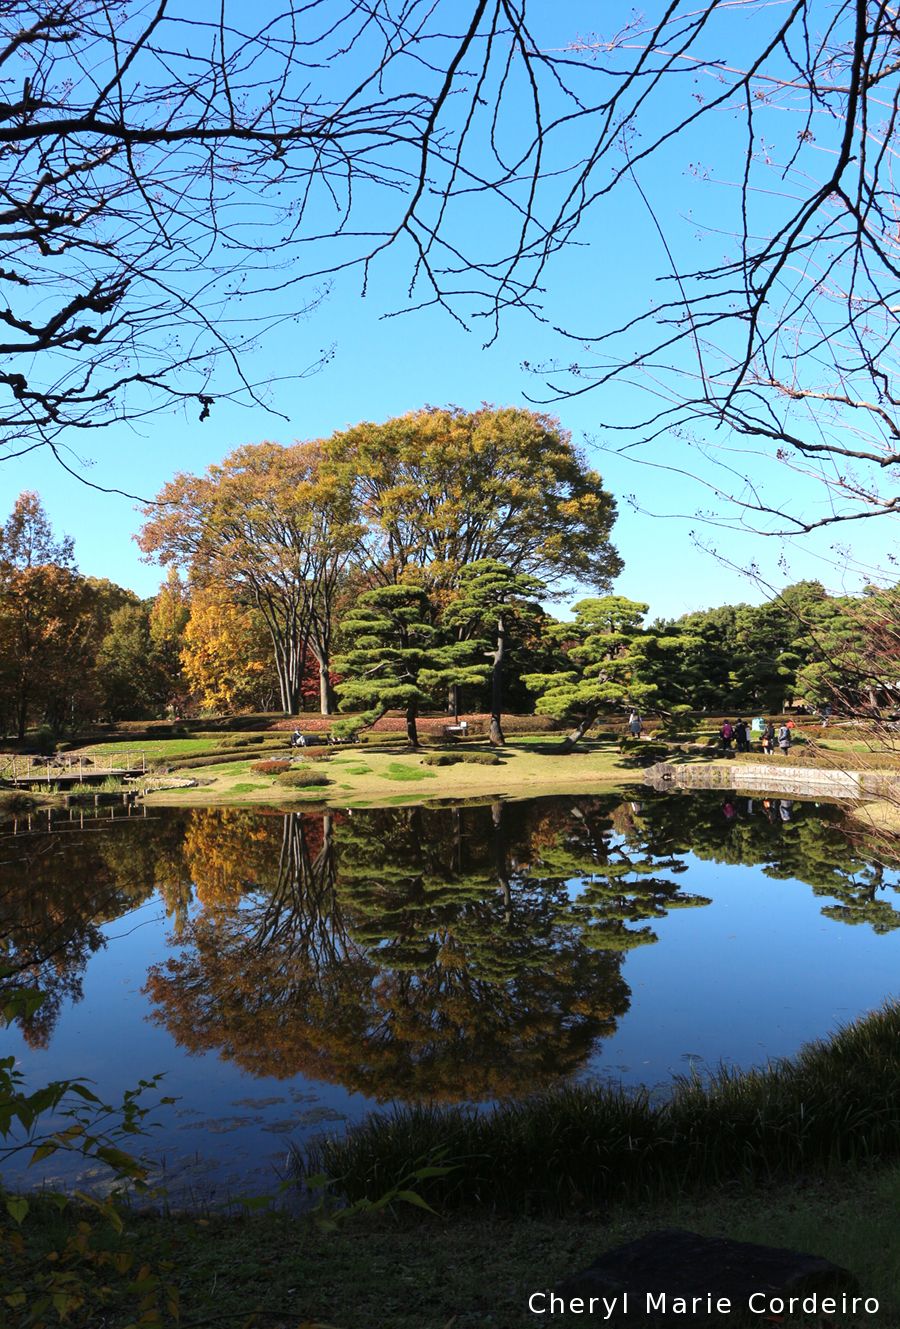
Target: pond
[(287, 971)]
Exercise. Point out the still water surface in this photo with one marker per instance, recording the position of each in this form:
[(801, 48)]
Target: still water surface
[(288, 971)]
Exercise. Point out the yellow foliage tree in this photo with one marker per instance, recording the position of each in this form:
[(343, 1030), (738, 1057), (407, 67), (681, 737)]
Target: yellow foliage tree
[(226, 656)]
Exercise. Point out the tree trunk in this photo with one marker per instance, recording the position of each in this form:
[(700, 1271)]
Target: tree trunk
[(453, 701), (325, 707), (412, 733), (496, 730), (500, 859), (22, 712), (570, 740)]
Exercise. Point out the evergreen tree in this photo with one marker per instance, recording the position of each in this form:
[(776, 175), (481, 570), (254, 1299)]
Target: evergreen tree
[(491, 599), (394, 658), (606, 651)]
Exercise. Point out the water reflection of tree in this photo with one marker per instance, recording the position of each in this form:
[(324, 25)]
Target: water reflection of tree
[(485, 987), (411, 953), (611, 851), (58, 889), (791, 839)]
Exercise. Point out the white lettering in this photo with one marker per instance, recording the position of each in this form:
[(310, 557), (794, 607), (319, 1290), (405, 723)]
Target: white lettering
[(535, 1296), (576, 1306), (757, 1310), (656, 1303), (870, 1305)]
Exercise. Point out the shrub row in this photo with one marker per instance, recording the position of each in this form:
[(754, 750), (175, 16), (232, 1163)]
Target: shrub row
[(395, 722), (207, 759), (836, 1103), (298, 778), (13, 800), (273, 766), (455, 758)]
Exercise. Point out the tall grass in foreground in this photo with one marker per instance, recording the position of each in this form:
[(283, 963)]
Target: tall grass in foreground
[(835, 1103)]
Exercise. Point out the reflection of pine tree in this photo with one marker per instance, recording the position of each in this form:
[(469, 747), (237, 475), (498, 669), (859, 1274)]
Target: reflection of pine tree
[(808, 847), (620, 885), (485, 988), (403, 953)]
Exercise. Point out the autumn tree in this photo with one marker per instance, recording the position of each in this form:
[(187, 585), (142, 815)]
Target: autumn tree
[(169, 615), (439, 489), (45, 623), (394, 658), (273, 528), (227, 654)]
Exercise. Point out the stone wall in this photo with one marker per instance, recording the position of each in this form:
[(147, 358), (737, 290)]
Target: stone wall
[(775, 776)]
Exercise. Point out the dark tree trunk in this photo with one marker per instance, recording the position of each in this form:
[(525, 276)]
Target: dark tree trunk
[(496, 730), (500, 859), (412, 733), (453, 701), (570, 740)]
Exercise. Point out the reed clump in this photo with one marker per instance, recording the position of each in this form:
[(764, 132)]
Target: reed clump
[(836, 1103)]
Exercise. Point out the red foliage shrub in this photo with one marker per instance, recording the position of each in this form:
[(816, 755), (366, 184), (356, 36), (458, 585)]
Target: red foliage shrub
[(274, 766)]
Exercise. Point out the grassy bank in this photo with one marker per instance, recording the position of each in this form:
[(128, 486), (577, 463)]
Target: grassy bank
[(382, 775), (836, 1103), (418, 1271)]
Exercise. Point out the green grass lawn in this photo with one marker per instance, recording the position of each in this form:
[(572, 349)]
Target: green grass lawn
[(156, 747)]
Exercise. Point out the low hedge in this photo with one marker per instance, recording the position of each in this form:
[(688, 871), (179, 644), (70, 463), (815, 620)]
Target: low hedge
[(208, 759), (466, 758), (13, 800), (272, 766), (297, 778)]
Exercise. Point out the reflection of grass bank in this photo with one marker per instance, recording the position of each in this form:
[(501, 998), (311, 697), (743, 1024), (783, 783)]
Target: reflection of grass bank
[(835, 1103)]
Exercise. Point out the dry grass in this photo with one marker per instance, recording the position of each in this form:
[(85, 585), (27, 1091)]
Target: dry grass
[(524, 771)]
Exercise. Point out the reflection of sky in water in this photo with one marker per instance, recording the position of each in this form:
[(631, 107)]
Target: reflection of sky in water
[(748, 978)]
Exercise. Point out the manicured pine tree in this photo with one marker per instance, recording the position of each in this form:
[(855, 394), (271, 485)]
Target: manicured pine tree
[(490, 600), (394, 658), (605, 648)]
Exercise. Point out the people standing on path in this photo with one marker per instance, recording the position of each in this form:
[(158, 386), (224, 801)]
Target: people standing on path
[(727, 734), (784, 739), (768, 738), (635, 724), (740, 735)]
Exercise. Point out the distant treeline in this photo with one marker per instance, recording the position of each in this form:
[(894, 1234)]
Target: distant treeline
[(397, 566)]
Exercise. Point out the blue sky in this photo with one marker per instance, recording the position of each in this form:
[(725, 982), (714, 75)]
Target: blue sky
[(383, 367)]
